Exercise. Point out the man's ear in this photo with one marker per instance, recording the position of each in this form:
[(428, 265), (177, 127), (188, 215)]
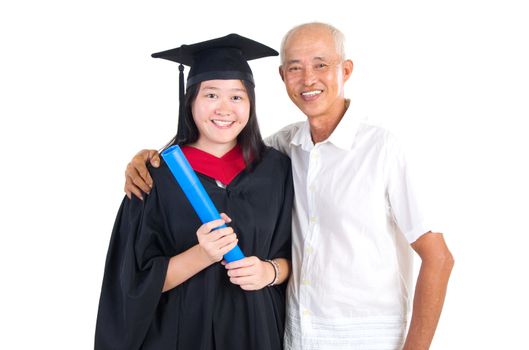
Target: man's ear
[(347, 69), (281, 73)]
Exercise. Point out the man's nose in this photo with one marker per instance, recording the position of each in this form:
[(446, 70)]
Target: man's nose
[(309, 77)]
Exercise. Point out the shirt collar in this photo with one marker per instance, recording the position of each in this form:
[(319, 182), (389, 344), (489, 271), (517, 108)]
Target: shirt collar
[(342, 137), (344, 134)]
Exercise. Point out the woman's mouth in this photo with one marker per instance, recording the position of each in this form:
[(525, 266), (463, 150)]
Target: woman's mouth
[(222, 123)]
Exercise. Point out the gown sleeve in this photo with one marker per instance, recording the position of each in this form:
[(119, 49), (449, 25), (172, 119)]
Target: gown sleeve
[(281, 246), (135, 271)]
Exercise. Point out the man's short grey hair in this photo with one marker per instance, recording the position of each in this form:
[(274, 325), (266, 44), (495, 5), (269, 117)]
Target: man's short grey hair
[(339, 38)]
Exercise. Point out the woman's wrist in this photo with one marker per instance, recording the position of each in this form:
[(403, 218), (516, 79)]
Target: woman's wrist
[(277, 272)]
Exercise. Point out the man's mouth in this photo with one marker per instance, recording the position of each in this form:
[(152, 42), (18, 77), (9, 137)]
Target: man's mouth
[(311, 93)]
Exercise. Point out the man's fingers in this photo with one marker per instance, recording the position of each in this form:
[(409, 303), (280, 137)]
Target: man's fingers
[(138, 171), (140, 168), (154, 157), (130, 187), (137, 180), (137, 193)]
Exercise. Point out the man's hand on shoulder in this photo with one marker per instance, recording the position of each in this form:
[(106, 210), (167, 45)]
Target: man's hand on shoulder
[(137, 177)]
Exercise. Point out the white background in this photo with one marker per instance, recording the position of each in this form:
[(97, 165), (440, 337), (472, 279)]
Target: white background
[(79, 95)]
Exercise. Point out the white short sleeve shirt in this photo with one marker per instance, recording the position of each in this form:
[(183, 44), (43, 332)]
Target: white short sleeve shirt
[(355, 215)]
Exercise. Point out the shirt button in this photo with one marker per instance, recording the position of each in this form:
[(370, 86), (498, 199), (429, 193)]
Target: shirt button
[(312, 219), (311, 188), (306, 312), (305, 282), (309, 250)]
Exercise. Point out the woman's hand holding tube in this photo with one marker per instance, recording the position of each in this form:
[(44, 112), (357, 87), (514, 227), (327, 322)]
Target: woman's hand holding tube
[(251, 273), (215, 243)]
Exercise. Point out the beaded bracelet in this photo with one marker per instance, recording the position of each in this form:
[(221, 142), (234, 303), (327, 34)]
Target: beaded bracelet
[(276, 272)]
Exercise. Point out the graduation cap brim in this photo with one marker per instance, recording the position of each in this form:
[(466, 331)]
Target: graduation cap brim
[(185, 54), (220, 58)]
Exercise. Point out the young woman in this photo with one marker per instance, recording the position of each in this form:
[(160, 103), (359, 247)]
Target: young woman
[(164, 285)]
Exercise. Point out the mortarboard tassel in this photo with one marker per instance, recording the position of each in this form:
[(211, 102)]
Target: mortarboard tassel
[(180, 129)]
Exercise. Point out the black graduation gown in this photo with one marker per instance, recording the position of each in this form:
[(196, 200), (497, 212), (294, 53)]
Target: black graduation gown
[(207, 311)]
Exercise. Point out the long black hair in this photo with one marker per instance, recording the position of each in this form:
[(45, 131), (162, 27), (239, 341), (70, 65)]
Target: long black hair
[(249, 139)]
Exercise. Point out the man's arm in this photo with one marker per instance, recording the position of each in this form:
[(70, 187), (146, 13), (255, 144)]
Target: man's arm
[(137, 177), (430, 290)]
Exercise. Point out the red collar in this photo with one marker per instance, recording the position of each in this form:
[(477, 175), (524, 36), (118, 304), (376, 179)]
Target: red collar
[(224, 169)]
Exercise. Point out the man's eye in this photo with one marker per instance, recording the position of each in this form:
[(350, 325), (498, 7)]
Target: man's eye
[(237, 98), (321, 66), (211, 96), (294, 69)]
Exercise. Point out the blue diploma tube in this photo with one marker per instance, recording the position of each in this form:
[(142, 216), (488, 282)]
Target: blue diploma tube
[(195, 192)]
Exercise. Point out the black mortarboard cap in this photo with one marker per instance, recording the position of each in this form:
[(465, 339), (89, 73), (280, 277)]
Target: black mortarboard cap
[(220, 58)]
